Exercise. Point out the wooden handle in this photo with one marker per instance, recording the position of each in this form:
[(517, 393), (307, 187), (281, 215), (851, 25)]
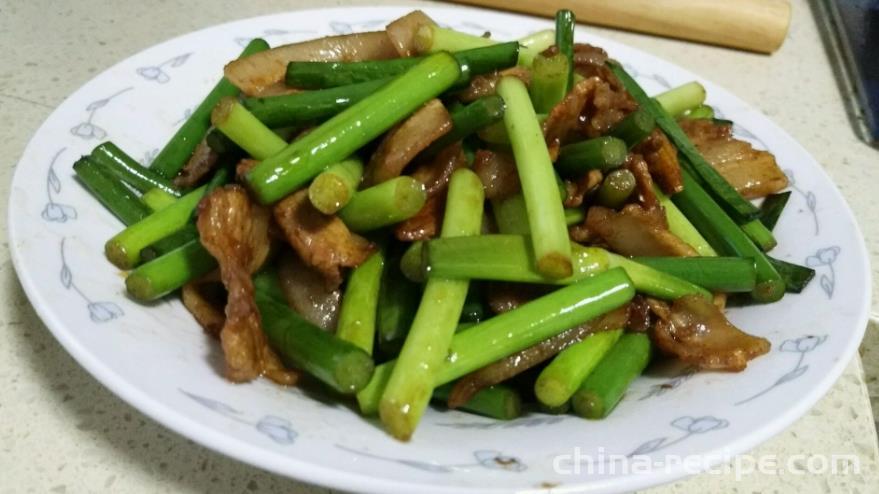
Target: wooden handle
[(756, 25)]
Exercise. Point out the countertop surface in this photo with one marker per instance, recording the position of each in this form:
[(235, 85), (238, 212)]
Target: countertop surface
[(61, 431)]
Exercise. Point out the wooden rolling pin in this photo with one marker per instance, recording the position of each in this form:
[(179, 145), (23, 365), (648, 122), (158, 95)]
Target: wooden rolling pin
[(756, 25)]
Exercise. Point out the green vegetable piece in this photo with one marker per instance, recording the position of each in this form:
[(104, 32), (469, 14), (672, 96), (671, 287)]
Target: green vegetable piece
[(321, 75), (760, 235), (604, 388), (549, 81), (499, 402), (600, 153), (245, 130), (467, 120), (699, 112), (772, 208), (333, 189), (348, 131), (718, 274), (357, 313), (384, 204), (678, 100), (546, 217), (635, 127), (339, 364), (565, 23), (169, 272), (124, 249), (110, 192), (719, 187), (726, 237), (157, 199), (795, 277), (122, 166), (291, 110), (512, 331), (616, 188), (559, 380), (177, 151), (679, 225), (411, 383)]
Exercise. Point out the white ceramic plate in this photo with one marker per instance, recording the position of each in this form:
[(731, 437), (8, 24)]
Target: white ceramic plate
[(158, 359)]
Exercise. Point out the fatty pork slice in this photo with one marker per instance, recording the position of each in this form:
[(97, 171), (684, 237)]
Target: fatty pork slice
[(403, 143), (752, 172), (696, 331), (661, 157), (635, 231), (263, 73), (322, 241), (235, 231)]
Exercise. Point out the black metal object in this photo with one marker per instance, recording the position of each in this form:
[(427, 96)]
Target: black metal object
[(853, 26)]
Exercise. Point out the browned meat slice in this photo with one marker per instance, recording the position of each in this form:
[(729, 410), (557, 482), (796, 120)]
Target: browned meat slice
[(644, 312), (588, 55), (697, 332), (322, 241), (635, 231), (426, 223), (579, 189), (610, 105), (643, 181), (255, 73), (586, 58), (581, 234), (243, 167), (565, 117), (200, 164), (308, 293), (503, 297), (639, 319), (519, 362), (484, 85), (591, 108), (658, 308), (235, 232), (610, 101), (403, 143), (662, 161), (753, 173), (498, 173), (435, 173), (204, 298), (402, 32)]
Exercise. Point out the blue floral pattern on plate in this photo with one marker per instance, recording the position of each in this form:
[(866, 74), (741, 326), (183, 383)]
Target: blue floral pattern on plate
[(690, 426), (159, 72), (825, 258), (278, 429), (88, 129), (801, 346), (484, 458), (808, 196), (99, 311), (55, 211)]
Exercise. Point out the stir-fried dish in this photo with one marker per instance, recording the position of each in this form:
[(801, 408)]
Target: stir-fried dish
[(418, 214)]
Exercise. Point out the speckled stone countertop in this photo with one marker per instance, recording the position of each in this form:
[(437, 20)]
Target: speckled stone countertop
[(61, 431)]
